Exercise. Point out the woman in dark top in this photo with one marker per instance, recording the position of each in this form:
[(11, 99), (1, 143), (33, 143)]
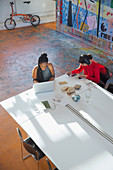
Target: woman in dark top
[(44, 71)]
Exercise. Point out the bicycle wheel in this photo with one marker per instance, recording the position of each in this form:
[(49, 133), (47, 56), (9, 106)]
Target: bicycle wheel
[(10, 24), (35, 20)]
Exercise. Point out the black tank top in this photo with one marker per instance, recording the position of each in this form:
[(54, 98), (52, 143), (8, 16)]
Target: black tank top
[(46, 74)]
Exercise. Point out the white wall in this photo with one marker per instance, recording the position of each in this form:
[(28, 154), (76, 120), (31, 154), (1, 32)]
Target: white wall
[(44, 8), (4, 10)]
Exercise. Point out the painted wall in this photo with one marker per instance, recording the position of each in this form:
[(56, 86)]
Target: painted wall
[(91, 19), (45, 9), (4, 10)]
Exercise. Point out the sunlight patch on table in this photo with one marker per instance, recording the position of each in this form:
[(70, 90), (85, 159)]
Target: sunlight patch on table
[(78, 131)]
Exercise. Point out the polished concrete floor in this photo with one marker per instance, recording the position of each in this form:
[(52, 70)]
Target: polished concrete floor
[(19, 52)]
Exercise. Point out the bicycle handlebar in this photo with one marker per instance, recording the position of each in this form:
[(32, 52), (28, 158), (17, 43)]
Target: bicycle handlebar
[(11, 3), (26, 2)]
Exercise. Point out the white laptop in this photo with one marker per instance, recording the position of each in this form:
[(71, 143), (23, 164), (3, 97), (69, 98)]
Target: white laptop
[(43, 87)]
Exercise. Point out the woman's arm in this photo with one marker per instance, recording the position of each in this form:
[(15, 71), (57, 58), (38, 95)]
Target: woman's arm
[(76, 71), (50, 65), (34, 74)]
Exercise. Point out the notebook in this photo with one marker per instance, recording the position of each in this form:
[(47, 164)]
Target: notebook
[(43, 87)]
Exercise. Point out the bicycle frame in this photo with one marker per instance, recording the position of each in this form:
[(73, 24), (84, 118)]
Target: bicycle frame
[(13, 14)]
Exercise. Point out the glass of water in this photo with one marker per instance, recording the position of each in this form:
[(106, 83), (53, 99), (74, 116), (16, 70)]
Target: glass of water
[(88, 95)]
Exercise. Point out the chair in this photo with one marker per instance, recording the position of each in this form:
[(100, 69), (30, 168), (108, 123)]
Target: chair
[(49, 165), (104, 78), (109, 84), (110, 88), (31, 147)]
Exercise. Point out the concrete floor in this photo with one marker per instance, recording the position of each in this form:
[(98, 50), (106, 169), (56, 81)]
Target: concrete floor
[(19, 52)]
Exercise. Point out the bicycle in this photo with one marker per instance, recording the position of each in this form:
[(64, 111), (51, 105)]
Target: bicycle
[(10, 23)]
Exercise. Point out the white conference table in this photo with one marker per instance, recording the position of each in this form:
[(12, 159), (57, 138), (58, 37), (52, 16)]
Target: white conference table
[(69, 141)]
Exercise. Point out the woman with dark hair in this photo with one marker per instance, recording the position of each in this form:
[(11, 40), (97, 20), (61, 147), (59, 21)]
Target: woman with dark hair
[(44, 71), (92, 70)]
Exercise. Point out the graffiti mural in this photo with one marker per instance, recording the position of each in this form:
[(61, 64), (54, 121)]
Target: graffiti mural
[(106, 21), (94, 18)]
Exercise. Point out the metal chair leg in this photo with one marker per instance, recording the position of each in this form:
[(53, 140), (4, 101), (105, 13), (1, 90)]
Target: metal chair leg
[(22, 152)]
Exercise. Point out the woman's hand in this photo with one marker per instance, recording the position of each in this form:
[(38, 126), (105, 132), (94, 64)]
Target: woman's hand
[(35, 81), (82, 76), (69, 73), (52, 78)]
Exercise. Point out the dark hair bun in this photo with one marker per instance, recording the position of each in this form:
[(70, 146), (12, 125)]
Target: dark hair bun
[(43, 58)]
